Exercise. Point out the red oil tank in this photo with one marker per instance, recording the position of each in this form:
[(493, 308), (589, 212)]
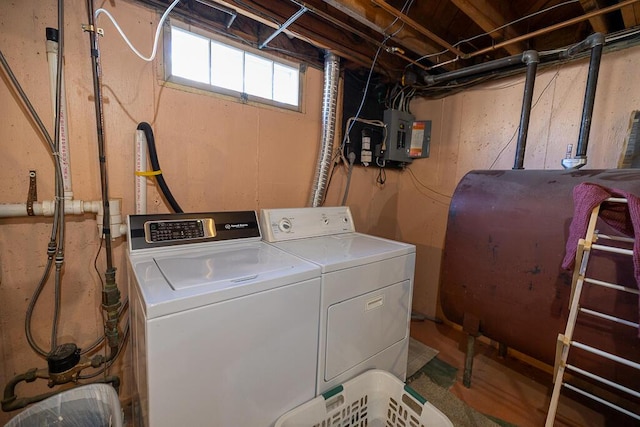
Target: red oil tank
[(504, 247)]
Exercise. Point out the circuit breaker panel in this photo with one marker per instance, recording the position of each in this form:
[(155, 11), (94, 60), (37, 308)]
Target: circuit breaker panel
[(398, 125), (407, 138), (377, 135)]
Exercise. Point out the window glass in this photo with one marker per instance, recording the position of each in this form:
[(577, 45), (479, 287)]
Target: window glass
[(189, 55), (213, 65), (258, 76), (227, 64), (285, 84)]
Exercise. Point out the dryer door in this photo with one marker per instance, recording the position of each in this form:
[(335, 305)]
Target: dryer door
[(365, 325)]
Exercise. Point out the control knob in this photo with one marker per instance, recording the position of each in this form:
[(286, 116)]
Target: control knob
[(285, 225)]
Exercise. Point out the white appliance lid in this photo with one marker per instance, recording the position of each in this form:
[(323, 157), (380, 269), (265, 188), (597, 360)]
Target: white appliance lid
[(340, 251), (183, 279)]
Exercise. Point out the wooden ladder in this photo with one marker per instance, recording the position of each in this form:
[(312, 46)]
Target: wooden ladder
[(565, 341)]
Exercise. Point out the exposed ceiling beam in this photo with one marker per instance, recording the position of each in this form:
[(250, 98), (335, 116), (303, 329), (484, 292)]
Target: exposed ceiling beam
[(483, 13), (598, 23), (535, 6), (557, 26), (343, 49), (416, 26), (631, 15), (380, 19)]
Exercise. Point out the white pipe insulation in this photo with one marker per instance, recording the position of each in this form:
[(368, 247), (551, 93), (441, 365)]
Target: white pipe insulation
[(52, 58), (140, 189)]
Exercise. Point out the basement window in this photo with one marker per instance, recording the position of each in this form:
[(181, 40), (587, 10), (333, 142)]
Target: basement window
[(193, 59)]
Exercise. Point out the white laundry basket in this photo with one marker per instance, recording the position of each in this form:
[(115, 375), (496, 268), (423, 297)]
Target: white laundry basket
[(94, 405), (374, 398)]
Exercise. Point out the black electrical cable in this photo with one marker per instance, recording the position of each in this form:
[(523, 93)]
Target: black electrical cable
[(153, 158)]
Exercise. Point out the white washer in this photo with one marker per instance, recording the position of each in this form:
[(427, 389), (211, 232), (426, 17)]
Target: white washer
[(224, 326), (367, 286)]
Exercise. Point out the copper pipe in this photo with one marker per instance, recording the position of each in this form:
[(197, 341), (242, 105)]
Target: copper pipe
[(400, 54), (419, 28), (548, 29)]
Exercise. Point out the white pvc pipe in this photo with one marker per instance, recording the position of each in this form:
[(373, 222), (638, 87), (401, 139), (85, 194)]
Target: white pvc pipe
[(71, 207), (47, 208), (117, 227), (140, 166), (52, 58)]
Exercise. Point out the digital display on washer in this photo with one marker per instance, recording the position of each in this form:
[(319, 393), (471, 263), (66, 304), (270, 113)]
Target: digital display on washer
[(183, 229)]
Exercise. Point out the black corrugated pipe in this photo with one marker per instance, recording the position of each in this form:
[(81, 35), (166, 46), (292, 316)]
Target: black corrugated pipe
[(155, 165), (531, 58), (595, 42)]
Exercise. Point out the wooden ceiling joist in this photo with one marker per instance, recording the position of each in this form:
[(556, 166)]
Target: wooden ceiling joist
[(598, 23), (631, 15), (487, 17)]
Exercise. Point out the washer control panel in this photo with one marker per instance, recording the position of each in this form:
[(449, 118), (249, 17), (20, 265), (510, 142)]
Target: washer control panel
[(162, 230), (287, 224), (189, 229)]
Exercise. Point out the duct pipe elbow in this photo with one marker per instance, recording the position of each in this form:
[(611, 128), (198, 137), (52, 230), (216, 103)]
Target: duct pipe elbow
[(530, 57), (595, 39), (429, 80)]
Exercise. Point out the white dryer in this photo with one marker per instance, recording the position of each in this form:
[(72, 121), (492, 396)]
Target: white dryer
[(224, 326), (367, 286)]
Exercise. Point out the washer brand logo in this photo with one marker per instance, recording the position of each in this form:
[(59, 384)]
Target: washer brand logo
[(236, 226)]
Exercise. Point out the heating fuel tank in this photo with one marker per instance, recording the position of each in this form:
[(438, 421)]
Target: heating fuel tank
[(504, 247)]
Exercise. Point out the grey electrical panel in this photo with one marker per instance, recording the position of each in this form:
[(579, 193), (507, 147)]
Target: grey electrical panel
[(398, 141)]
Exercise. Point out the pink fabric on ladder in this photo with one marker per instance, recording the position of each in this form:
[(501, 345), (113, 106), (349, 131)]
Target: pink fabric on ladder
[(623, 217)]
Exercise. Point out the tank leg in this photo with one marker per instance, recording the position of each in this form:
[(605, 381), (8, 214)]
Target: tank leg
[(470, 325), (468, 361), (502, 350)]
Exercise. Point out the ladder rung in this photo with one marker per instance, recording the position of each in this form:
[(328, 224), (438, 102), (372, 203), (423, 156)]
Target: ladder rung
[(613, 249), (564, 342), (608, 317), (606, 355), (603, 380), (616, 200), (616, 238), (611, 285), (604, 402)]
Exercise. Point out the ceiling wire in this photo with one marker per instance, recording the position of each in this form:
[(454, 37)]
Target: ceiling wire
[(431, 55), (555, 76)]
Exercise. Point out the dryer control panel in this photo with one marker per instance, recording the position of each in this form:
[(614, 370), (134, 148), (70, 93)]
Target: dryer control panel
[(287, 224)]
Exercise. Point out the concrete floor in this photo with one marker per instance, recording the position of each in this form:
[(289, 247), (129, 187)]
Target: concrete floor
[(507, 388)]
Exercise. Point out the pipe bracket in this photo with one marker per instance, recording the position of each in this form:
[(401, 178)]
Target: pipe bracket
[(32, 196)]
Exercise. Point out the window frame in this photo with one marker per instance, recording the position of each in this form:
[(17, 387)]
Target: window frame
[(242, 97)]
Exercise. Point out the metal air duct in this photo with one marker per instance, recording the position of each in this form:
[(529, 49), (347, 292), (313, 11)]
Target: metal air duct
[(329, 105)]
